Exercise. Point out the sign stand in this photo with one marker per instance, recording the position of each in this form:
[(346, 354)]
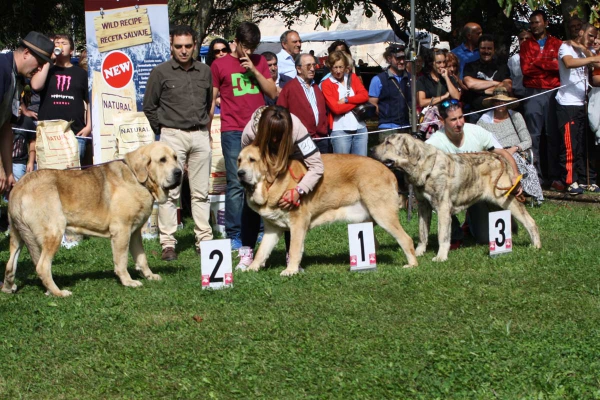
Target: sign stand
[(215, 261), (362, 247), (500, 232)]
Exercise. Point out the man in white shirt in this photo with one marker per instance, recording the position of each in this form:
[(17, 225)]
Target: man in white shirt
[(456, 137), (574, 58), (291, 45), (514, 65)]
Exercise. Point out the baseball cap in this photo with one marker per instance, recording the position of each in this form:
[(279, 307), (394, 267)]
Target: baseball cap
[(396, 50), (38, 44)]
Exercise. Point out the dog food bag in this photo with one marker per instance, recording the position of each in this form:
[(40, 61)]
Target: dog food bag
[(56, 146), (217, 181), (132, 130)]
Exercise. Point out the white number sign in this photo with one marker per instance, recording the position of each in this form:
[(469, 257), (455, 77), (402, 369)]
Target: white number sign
[(215, 261), (362, 247), (500, 232)]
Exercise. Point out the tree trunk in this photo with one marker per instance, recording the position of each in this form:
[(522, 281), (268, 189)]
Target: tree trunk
[(205, 8)]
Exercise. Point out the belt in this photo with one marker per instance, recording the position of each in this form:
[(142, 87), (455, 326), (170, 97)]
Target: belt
[(193, 128), (190, 129)]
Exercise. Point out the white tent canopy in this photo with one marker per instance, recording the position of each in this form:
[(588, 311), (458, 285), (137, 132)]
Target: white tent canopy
[(351, 37)]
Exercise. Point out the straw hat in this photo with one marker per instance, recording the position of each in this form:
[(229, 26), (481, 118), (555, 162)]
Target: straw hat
[(500, 94)]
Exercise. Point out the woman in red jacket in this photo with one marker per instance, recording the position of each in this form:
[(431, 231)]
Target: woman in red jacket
[(342, 93)]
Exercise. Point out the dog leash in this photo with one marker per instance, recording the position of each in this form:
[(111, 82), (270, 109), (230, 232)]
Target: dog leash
[(520, 198)]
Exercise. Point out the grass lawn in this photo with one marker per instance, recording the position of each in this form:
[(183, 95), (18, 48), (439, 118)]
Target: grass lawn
[(521, 326)]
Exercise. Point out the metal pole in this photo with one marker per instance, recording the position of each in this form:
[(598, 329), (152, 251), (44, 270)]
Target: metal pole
[(412, 50)]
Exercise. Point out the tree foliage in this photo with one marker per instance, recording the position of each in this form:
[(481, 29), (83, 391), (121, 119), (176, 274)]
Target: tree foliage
[(18, 17)]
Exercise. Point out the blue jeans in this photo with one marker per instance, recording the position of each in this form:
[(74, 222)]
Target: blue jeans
[(346, 142), (231, 144), (81, 142), (19, 170)]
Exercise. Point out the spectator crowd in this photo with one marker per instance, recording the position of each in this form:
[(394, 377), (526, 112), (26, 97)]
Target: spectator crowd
[(532, 106)]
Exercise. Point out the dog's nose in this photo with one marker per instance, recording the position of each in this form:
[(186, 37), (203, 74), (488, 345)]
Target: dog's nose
[(177, 174), (241, 173)]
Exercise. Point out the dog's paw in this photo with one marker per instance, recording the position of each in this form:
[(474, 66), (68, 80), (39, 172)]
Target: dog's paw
[(132, 283), (60, 293), (254, 267), (420, 250), (439, 258), (408, 266), (153, 277), (290, 271), (10, 290)]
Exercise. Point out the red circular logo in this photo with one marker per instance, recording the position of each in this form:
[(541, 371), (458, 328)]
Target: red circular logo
[(117, 69)]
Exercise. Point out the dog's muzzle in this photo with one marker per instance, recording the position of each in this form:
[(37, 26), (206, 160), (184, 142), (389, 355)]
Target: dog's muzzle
[(177, 173), (242, 177)]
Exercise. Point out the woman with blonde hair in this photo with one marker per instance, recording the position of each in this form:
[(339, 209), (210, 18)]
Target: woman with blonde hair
[(279, 136), (343, 92)]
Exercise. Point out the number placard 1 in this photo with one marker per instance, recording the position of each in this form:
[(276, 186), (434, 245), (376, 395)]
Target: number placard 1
[(362, 247), (215, 261), (500, 232)]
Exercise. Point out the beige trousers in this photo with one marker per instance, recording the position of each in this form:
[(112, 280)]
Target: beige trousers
[(193, 148)]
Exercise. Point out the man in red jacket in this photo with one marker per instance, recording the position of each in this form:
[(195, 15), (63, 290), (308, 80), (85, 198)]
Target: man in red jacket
[(539, 63), (305, 100)]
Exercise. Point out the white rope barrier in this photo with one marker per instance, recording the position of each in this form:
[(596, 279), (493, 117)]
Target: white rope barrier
[(405, 126), (467, 114)]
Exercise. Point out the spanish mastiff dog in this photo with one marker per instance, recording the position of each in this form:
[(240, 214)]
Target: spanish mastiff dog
[(112, 200), (353, 189), (450, 183)]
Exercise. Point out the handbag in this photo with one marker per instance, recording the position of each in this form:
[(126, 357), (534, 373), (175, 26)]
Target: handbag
[(363, 111), (429, 117)]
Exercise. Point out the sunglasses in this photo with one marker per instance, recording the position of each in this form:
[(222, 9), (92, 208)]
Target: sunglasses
[(179, 46), (218, 51), (450, 103)]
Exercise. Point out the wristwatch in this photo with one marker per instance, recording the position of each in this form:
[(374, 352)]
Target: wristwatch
[(346, 100), (300, 191)]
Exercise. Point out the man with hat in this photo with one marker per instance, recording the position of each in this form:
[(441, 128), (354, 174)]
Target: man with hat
[(33, 52), (389, 92)]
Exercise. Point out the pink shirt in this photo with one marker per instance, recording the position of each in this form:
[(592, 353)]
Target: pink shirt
[(240, 93)]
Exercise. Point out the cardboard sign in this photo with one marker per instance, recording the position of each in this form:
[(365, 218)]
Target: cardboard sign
[(500, 232), (107, 103), (362, 247), (123, 29), (215, 261)]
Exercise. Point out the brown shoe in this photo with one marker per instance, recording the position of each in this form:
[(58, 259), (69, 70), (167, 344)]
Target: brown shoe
[(168, 254)]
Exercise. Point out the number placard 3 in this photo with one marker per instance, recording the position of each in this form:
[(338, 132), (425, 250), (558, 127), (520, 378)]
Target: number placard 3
[(362, 247), (215, 261), (500, 228)]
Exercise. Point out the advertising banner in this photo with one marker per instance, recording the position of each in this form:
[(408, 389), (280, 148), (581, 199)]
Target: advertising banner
[(125, 39)]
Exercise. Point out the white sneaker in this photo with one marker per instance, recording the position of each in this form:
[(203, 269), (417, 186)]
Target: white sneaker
[(246, 257)]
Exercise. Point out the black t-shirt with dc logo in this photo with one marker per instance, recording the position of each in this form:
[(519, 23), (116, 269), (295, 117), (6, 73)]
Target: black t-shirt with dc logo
[(63, 96)]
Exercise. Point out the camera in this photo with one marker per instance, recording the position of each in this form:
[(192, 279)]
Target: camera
[(57, 51)]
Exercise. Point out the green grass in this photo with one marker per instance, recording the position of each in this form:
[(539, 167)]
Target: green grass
[(521, 326)]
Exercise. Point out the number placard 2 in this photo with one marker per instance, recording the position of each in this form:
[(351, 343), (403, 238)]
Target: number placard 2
[(362, 247), (500, 232), (215, 261)]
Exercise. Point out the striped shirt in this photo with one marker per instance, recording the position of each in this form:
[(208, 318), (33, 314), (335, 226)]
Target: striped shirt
[(309, 91)]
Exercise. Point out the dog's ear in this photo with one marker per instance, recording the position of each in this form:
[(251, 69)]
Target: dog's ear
[(410, 149), (138, 161)]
